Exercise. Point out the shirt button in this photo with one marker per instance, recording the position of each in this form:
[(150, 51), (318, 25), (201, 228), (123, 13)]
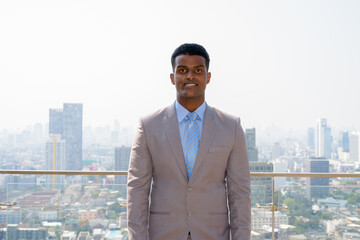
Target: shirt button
[(189, 213), (189, 189)]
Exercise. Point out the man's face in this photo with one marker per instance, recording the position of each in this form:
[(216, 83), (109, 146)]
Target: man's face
[(190, 77)]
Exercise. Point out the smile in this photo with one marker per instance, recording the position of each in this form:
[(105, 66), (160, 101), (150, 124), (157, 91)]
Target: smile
[(190, 84)]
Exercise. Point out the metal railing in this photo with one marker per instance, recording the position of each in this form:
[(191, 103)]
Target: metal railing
[(252, 174)]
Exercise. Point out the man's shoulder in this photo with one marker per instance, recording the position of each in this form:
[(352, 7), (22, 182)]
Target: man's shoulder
[(224, 116), (159, 114)]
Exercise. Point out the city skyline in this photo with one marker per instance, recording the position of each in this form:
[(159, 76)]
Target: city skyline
[(281, 64), (270, 133)]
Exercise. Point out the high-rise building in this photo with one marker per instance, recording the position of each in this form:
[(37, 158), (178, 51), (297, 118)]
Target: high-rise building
[(345, 141), (72, 133), (323, 139), (55, 121), (122, 158), (10, 216), (261, 187), (276, 151), (310, 139), (67, 122), (250, 135), (55, 160), (354, 146), (280, 165), (20, 182), (14, 231), (317, 187)]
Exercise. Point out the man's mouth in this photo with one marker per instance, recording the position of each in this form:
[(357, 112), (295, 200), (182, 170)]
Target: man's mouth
[(190, 84)]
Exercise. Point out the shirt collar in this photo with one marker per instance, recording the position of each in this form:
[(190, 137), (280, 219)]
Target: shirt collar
[(181, 112)]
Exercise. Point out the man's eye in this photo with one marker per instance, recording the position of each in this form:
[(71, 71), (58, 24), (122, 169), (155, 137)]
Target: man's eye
[(182, 70), (198, 70)]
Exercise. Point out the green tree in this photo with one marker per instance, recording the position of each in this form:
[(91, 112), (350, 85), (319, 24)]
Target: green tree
[(115, 207), (302, 226), (348, 182), (84, 228), (95, 194), (290, 203), (354, 198), (326, 216)]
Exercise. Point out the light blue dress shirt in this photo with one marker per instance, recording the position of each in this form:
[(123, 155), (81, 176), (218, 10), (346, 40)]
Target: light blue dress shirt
[(184, 122)]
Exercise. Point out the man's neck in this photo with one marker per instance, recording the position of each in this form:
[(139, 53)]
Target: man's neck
[(191, 104)]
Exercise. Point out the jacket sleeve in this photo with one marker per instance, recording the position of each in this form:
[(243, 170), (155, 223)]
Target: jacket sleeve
[(238, 181), (138, 187)]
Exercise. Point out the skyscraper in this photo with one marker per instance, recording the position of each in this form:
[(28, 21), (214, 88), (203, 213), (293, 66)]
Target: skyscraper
[(310, 139), (354, 146), (323, 139), (250, 135), (280, 165), (55, 121), (67, 122), (345, 141), (72, 133), (261, 187), (55, 160), (317, 187), (276, 151), (122, 158)]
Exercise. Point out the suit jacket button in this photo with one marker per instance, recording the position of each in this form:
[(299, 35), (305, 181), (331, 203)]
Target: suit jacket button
[(189, 189), (189, 213)]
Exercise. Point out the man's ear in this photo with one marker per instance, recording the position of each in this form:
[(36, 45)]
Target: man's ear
[(172, 78), (208, 77)]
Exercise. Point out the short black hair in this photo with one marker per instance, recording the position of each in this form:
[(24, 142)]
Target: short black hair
[(190, 49)]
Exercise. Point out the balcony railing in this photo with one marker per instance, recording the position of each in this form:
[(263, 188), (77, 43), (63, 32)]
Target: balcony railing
[(302, 207)]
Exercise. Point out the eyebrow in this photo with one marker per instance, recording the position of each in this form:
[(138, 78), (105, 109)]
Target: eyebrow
[(198, 66), (180, 66)]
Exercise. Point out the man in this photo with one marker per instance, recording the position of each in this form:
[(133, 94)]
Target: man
[(195, 157)]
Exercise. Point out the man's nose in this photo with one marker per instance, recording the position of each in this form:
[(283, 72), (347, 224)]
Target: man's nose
[(190, 75)]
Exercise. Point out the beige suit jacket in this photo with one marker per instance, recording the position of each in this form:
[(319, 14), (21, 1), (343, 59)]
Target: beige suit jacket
[(219, 185)]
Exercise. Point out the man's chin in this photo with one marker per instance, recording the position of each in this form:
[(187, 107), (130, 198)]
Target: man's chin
[(190, 94), (191, 98)]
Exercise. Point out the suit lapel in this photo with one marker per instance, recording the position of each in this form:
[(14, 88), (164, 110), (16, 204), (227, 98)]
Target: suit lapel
[(208, 133), (173, 137)]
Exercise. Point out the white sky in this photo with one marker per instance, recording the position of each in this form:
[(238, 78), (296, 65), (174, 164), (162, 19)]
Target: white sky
[(273, 63)]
